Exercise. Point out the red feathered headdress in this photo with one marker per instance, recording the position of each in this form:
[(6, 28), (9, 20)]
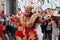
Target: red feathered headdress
[(12, 19)]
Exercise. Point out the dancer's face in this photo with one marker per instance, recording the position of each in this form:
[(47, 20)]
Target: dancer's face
[(28, 11)]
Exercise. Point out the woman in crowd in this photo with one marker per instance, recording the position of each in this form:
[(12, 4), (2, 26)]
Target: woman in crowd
[(59, 29), (55, 29), (28, 24), (1, 30), (20, 33), (35, 21), (38, 22), (49, 25), (6, 27)]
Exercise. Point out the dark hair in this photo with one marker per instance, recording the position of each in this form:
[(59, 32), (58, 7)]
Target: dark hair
[(2, 11), (56, 21), (30, 14), (38, 11), (36, 20), (0, 22), (45, 12), (19, 9)]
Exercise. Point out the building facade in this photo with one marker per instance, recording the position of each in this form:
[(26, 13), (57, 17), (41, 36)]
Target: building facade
[(10, 6)]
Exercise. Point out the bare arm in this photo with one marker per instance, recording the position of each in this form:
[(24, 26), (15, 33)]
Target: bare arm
[(32, 20)]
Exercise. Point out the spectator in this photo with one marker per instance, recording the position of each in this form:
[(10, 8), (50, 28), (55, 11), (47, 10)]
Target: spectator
[(55, 29), (1, 31)]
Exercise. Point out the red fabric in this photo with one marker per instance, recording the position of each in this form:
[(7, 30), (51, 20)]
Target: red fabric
[(1, 29), (19, 33), (26, 15), (12, 19), (0, 18), (19, 14), (19, 24), (3, 14), (28, 31)]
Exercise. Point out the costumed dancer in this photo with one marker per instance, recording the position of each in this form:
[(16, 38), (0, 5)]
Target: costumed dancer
[(20, 33)]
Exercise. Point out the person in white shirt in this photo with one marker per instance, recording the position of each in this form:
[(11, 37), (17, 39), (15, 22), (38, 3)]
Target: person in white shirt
[(55, 30)]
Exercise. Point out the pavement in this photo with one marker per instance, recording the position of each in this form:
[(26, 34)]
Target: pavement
[(10, 38)]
